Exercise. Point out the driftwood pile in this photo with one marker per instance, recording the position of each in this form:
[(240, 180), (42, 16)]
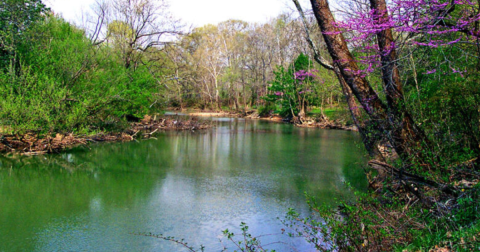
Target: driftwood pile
[(150, 125), (33, 144), (322, 123)]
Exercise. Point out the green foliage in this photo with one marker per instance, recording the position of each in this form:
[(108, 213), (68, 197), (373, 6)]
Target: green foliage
[(458, 231), (16, 17), (348, 229), (339, 113), (283, 92), (386, 223), (267, 110), (302, 62), (247, 242), (64, 83), (443, 98), (28, 100), (293, 88)]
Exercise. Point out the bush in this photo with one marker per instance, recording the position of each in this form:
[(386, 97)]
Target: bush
[(64, 83), (267, 110)]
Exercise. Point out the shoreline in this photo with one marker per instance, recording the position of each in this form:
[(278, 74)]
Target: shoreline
[(31, 144), (275, 118)]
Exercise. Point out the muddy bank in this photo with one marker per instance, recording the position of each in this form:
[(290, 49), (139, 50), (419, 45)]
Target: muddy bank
[(34, 144)]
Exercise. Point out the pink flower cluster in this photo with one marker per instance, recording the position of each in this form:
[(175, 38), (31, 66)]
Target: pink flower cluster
[(302, 75), (305, 91), (423, 22)]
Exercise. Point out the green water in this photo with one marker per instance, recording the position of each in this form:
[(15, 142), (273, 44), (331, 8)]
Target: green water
[(189, 185)]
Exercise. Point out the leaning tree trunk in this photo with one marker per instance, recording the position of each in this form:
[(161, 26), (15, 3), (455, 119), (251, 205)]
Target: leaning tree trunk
[(405, 142), (370, 141)]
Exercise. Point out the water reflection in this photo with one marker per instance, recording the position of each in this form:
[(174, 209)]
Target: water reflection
[(184, 184)]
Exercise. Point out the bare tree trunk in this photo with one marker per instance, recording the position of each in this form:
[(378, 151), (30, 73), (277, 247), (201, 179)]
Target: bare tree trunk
[(217, 95), (340, 54)]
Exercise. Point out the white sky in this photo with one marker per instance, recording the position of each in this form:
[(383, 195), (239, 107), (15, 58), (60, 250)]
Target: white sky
[(196, 12)]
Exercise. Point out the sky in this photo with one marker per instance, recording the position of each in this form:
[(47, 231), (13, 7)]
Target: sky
[(195, 12)]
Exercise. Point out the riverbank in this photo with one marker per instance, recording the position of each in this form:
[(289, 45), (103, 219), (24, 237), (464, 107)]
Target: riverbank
[(215, 114), (324, 123), (36, 144)]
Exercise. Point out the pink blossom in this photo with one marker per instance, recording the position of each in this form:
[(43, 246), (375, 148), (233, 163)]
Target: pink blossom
[(424, 21)]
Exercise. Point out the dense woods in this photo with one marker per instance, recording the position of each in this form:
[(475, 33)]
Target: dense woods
[(404, 72), (55, 77), (132, 58)]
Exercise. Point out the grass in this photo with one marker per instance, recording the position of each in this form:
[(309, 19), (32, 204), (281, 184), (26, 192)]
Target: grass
[(333, 113), (328, 111)]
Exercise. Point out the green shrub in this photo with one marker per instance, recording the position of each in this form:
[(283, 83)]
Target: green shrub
[(64, 83), (267, 110)]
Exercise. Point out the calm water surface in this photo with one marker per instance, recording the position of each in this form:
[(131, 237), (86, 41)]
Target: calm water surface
[(182, 184)]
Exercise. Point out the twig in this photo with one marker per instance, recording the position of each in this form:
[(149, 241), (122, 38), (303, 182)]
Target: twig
[(135, 134), (153, 132), (172, 239)]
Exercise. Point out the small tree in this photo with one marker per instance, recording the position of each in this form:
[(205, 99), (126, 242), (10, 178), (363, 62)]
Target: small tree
[(292, 88)]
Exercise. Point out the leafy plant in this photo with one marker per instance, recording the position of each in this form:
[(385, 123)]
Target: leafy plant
[(293, 88)]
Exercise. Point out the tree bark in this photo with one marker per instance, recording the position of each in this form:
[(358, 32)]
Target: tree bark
[(396, 125), (370, 142), (404, 130), (338, 50)]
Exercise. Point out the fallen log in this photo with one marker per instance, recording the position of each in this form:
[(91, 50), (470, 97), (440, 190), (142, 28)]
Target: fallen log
[(402, 175)]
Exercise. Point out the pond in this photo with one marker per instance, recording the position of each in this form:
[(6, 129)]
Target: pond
[(190, 185)]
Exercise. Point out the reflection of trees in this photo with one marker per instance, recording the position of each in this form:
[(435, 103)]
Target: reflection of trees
[(297, 159), (239, 169), (36, 190)]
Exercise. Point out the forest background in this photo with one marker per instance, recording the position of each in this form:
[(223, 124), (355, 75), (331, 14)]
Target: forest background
[(411, 66), (133, 58)]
